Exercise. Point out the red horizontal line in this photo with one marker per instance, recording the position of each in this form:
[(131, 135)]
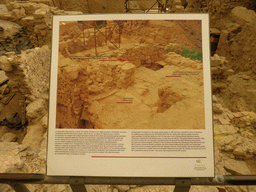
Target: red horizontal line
[(123, 102), (147, 157), (116, 60), (172, 76)]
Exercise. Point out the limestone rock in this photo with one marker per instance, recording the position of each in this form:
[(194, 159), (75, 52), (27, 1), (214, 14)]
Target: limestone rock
[(240, 151), (18, 13), (8, 155), (34, 136), (228, 72), (31, 187), (227, 140), (218, 61), (100, 188), (39, 14), (245, 77), (5, 64), (217, 108), (214, 99), (35, 109), (243, 14), (247, 134), (3, 130), (9, 137), (44, 121), (225, 129), (237, 167), (3, 77), (9, 6), (36, 63), (40, 27), (178, 8), (122, 187), (29, 8), (177, 2)]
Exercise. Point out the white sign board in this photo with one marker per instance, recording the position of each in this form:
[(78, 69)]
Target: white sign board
[(130, 96)]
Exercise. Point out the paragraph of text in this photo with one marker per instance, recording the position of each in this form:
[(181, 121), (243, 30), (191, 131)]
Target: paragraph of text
[(82, 142), (167, 141)]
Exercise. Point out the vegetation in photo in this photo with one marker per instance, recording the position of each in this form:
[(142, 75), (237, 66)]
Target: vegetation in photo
[(192, 54)]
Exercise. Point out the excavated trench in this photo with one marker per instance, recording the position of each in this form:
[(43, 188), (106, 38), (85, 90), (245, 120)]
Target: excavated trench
[(13, 40), (152, 66), (123, 107)]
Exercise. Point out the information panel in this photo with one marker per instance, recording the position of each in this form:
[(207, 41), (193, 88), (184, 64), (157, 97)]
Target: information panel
[(130, 96)]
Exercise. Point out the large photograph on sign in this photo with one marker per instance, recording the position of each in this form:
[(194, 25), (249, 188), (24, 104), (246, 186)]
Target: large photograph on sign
[(128, 92), (130, 74)]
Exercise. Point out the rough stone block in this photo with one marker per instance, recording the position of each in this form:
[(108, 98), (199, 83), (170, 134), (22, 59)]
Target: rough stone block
[(227, 140), (18, 13), (177, 2), (243, 14), (9, 6), (34, 136), (227, 129), (128, 68), (7, 16), (217, 108), (39, 27), (216, 62), (223, 121), (214, 99), (122, 187), (237, 167), (247, 134), (9, 137), (16, 6), (3, 130), (3, 77), (74, 12), (29, 8), (44, 121), (240, 151), (39, 14), (35, 109), (179, 8)]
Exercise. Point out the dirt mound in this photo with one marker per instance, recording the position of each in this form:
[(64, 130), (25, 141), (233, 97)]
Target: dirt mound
[(237, 42)]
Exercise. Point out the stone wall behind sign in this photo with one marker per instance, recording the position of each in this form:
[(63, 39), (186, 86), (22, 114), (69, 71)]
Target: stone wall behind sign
[(35, 18), (237, 42)]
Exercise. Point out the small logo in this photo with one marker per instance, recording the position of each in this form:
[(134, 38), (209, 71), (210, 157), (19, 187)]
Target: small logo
[(198, 161)]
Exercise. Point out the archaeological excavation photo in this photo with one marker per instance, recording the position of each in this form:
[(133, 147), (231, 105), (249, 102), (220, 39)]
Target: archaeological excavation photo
[(130, 74)]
